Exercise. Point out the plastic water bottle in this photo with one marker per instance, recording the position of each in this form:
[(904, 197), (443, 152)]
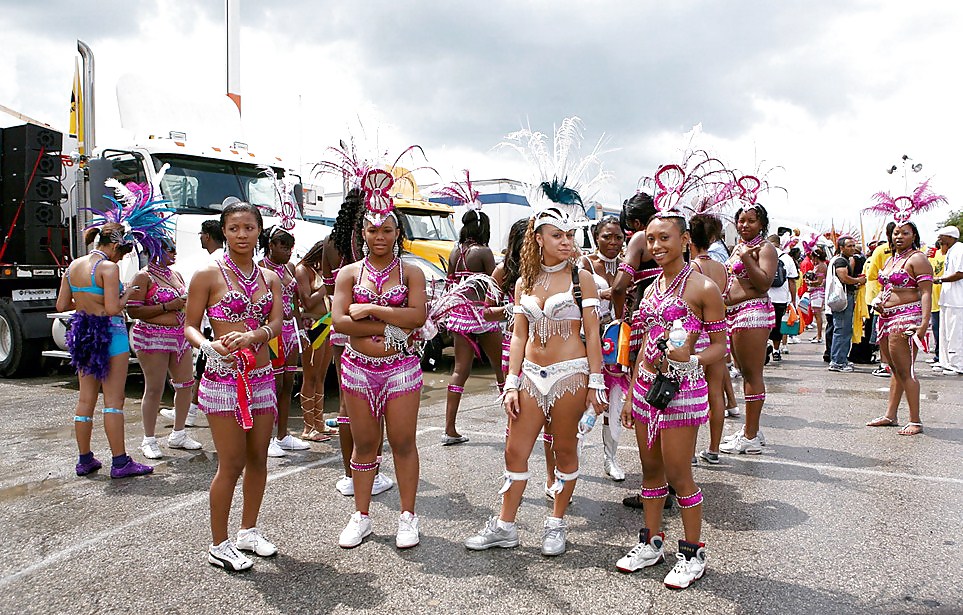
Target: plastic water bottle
[(677, 334), (587, 422)]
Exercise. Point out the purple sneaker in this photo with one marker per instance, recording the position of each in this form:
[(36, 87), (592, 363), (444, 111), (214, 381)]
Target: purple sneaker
[(131, 469), (83, 469)]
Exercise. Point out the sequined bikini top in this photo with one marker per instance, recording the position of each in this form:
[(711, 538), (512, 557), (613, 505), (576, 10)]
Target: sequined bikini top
[(659, 309), (236, 306), (396, 296), (900, 279)]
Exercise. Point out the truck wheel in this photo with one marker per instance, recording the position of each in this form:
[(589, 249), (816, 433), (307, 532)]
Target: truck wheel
[(16, 356)]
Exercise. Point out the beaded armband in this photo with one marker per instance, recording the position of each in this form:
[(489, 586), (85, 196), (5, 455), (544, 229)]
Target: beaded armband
[(715, 326), (922, 278), (395, 338), (627, 268), (327, 281), (596, 381), (512, 382)]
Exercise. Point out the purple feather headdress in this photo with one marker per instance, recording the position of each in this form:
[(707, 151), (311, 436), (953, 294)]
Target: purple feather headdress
[(146, 221), (810, 244), (463, 193), (903, 207)]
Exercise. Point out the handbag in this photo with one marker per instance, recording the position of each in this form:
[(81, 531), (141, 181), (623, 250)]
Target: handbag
[(663, 388), (836, 299)]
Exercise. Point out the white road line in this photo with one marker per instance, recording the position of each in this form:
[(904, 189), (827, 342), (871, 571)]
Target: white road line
[(800, 464), (96, 538)]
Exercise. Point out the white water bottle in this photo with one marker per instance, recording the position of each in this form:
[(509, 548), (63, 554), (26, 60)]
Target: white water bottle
[(587, 422), (677, 334)]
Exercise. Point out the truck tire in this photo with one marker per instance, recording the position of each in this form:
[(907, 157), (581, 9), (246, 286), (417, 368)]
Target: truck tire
[(17, 356)]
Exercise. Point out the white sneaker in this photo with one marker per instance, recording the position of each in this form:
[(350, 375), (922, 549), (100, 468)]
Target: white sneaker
[(180, 439), (358, 527), (150, 448), (345, 486), (734, 412), (290, 443), (647, 553), (168, 413), (494, 535), (274, 450), (228, 557), (553, 536), (381, 484), (407, 531), (254, 541), (761, 436), (741, 444), (734, 373), (686, 571)]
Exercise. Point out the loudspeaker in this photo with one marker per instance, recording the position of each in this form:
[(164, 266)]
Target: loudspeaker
[(29, 136)]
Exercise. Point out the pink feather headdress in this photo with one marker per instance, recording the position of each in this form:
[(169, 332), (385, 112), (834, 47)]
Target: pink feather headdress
[(345, 162), (904, 207), (692, 187), (463, 193), (810, 244)]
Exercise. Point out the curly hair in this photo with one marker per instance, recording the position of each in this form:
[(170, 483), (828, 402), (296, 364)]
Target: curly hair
[(531, 259), (761, 213), (345, 233), (512, 263)]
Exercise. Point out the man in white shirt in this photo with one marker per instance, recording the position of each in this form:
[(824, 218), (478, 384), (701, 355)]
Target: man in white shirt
[(781, 296), (951, 303)]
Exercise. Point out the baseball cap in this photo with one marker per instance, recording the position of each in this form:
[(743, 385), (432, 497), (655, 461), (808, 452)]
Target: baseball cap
[(949, 231)]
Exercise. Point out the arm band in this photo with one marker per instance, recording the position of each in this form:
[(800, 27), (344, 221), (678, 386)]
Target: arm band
[(512, 382), (715, 326), (596, 381)]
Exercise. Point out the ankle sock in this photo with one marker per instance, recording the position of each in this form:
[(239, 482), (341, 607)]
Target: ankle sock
[(120, 461), (87, 457), (506, 525)]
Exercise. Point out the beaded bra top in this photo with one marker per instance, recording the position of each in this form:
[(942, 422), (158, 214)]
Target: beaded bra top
[(659, 309), (239, 307), (396, 296), (900, 279), (288, 291)]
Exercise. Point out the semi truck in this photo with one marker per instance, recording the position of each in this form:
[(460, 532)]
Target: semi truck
[(48, 190)]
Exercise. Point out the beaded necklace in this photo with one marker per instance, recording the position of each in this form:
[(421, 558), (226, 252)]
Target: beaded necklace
[(100, 253), (378, 277), (545, 278), (611, 264), (680, 280), (247, 282), (165, 275), (281, 270)]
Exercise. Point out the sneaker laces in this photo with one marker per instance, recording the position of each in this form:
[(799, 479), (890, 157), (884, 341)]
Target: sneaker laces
[(681, 565), (406, 523), (637, 549), (554, 531), (490, 527)]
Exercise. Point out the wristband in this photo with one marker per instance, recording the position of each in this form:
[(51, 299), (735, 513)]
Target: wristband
[(596, 381), (270, 332), (512, 382), (208, 349)]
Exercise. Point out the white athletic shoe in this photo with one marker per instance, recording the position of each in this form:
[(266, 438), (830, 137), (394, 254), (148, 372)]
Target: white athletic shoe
[(254, 541), (741, 444), (180, 439), (228, 557), (358, 527), (759, 434), (686, 571), (647, 553), (290, 443), (150, 448), (553, 536), (345, 486), (493, 535), (274, 450), (381, 484), (168, 413), (407, 536)]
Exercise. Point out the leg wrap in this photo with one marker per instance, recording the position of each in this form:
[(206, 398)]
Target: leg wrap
[(757, 397), (344, 420), (688, 501), (548, 438), (362, 467), (113, 411), (454, 388), (560, 479), (182, 385), (513, 476), (647, 493), (83, 419)]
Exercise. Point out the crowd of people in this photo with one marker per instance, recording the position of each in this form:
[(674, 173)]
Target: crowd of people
[(647, 331)]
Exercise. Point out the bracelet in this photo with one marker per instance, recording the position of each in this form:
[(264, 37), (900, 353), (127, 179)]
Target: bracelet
[(164, 306), (396, 338), (512, 382), (208, 349), (269, 330), (596, 381)]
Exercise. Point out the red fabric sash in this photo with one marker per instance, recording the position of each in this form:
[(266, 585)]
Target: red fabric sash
[(245, 363)]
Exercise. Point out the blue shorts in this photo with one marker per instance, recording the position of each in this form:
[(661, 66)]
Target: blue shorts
[(119, 342)]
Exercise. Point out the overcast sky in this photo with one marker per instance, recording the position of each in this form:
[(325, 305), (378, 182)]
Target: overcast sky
[(833, 92)]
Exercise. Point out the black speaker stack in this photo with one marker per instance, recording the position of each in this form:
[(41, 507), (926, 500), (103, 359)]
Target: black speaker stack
[(30, 196)]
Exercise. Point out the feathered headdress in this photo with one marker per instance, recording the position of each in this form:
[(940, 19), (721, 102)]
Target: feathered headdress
[(463, 193), (690, 188), (903, 207), (810, 244), (146, 221), (562, 179), (287, 211), (345, 162), (748, 187), (378, 202), (474, 290)]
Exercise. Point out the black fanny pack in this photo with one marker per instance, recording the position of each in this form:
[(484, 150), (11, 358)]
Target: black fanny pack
[(663, 389)]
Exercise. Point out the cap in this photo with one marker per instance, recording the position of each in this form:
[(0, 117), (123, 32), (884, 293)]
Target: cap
[(949, 231)]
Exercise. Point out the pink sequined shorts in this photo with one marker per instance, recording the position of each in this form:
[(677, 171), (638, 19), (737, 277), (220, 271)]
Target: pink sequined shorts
[(379, 379), (470, 320), (690, 406), (217, 393), (898, 319), (751, 314), (146, 337)]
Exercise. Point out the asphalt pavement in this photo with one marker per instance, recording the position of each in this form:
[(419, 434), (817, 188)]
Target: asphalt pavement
[(833, 517)]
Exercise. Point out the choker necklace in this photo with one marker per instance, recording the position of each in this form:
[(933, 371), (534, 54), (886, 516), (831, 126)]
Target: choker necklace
[(378, 277), (755, 241), (100, 253), (545, 277), (248, 282), (164, 274), (611, 264)]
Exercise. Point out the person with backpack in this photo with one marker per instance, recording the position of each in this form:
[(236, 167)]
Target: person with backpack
[(782, 293), (843, 268)]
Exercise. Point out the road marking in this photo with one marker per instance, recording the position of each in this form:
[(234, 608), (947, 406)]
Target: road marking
[(196, 499), (800, 464), (96, 538)]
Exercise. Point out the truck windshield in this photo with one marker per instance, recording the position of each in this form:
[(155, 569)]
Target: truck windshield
[(203, 183), (428, 225)]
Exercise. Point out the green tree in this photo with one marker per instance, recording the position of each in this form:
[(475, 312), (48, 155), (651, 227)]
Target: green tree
[(954, 219)]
